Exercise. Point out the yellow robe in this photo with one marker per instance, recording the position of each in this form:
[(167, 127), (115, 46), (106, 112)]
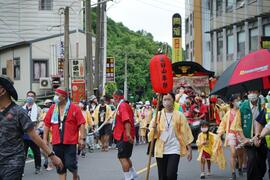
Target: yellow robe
[(214, 148), (145, 121), (235, 126), (181, 129), (108, 114)]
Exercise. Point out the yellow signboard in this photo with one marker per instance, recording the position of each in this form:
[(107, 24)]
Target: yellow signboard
[(176, 38)]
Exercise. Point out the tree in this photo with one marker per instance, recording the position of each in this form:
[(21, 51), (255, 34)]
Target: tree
[(110, 87)]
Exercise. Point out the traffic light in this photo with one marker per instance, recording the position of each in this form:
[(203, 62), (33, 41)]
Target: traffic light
[(56, 82)]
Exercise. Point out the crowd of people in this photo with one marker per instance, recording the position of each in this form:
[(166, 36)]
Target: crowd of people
[(61, 130)]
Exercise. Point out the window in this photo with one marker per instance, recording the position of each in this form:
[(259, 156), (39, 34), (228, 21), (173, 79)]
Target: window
[(16, 68), (4, 71), (241, 44), (253, 39), (40, 69), (45, 4), (266, 30), (219, 44), (229, 5), (211, 48), (219, 7), (187, 25), (230, 44), (211, 8)]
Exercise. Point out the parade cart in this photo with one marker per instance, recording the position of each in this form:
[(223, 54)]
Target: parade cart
[(196, 80)]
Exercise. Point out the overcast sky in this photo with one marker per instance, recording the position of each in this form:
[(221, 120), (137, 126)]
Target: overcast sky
[(154, 16)]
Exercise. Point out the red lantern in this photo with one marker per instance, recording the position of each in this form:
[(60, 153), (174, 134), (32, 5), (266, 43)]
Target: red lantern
[(161, 74)]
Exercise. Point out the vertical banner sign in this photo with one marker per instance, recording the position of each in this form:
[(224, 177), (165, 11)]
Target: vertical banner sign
[(176, 38), (110, 69), (77, 68), (78, 90), (61, 67)]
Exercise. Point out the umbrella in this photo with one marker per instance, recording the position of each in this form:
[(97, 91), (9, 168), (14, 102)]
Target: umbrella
[(252, 72)]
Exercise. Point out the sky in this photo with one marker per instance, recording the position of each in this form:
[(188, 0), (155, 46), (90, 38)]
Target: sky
[(153, 16)]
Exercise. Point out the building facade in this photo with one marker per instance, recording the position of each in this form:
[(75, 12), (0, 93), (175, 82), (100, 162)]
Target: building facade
[(25, 20), (28, 62), (197, 22), (235, 29)]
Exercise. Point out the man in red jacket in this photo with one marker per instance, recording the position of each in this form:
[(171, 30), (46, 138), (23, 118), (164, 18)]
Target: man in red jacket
[(65, 119), (124, 133)]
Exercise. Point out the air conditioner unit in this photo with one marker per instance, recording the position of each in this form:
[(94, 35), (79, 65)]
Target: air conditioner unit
[(45, 83)]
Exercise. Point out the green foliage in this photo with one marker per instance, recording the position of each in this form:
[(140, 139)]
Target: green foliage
[(140, 48), (110, 87)]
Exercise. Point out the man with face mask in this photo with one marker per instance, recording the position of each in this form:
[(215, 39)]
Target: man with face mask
[(124, 133), (14, 121), (250, 109), (102, 114), (34, 113), (67, 124)]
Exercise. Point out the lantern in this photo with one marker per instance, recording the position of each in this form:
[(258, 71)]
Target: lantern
[(161, 74)]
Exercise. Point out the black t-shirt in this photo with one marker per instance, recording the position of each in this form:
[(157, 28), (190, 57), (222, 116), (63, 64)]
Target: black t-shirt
[(14, 121), (102, 115)]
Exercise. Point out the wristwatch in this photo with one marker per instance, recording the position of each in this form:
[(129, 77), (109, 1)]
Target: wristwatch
[(51, 154)]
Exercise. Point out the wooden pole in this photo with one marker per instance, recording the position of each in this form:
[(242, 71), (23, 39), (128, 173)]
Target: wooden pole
[(152, 141)]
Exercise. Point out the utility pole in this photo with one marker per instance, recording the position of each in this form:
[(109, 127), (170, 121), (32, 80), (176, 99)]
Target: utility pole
[(89, 57), (105, 48), (66, 47), (125, 83), (97, 50), (102, 46)]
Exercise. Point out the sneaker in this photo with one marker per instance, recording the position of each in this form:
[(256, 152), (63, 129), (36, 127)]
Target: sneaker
[(244, 170), (202, 175), (233, 176), (208, 174), (83, 155), (49, 168)]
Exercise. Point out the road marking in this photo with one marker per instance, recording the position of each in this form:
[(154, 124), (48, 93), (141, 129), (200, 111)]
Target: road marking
[(145, 169)]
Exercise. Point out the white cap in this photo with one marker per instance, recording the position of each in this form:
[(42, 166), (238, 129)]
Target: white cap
[(147, 103)]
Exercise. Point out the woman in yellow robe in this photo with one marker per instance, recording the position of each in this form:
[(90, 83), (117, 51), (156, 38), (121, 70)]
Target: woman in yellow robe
[(172, 136), (231, 125)]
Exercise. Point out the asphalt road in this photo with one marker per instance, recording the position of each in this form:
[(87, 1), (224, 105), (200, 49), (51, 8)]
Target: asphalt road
[(105, 166)]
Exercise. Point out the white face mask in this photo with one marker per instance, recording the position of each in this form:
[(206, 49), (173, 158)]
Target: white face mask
[(253, 97), (204, 129)]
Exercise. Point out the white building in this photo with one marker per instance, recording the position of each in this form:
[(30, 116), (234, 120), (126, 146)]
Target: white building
[(28, 61), (24, 20)]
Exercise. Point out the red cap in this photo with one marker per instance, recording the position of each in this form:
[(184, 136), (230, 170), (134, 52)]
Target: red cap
[(154, 102), (213, 99)]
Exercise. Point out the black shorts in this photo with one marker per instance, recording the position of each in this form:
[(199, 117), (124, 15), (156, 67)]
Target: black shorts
[(106, 130), (11, 172), (67, 153), (124, 149)]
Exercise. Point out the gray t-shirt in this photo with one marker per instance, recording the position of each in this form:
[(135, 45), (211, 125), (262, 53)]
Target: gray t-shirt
[(14, 121)]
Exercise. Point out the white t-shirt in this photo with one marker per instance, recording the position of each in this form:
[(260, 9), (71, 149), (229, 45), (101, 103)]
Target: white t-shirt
[(171, 145), (183, 99)]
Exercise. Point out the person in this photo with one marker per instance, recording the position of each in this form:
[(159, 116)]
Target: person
[(205, 143), (34, 113), (136, 110), (89, 123), (124, 133), (181, 96), (47, 104), (199, 109), (205, 100), (146, 117), (256, 156), (102, 114), (231, 125), (93, 103), (14, 121), (268, 97), (172, 140), (264, 126), (66, 121), (214, 110)]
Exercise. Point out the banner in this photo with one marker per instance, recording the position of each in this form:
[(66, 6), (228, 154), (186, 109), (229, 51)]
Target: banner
[(77, 68), (176, 38), (78, 90), (110, 69)]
